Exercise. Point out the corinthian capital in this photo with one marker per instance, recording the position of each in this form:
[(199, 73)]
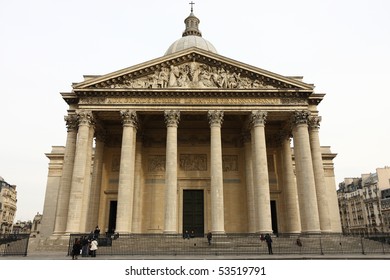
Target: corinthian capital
[(84, 117), (129, 118), (172, 117), (258, 118), (300, 117), (314, 122), (71, 122), (215, 117)]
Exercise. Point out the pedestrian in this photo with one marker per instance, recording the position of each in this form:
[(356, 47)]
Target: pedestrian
[(262, 238), (93, 248), (209, 237), (186, 235), (84, 246), (76, 249), (299, 242), (268, 239), (96, 232)]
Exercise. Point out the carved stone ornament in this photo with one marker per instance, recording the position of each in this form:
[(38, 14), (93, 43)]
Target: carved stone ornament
[(230, 163), (71, 122), (172, 117), (156, 163), (193, 75), (314, 122), (215, 117), (129, 118), (300, 117), (258, 118), (196, 162), (84, 117)]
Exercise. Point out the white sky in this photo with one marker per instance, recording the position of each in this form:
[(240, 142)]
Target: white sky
[(343, 47)]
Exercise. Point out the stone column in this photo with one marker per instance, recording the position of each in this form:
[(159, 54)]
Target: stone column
[(85, 120), (293, 220), (216, 192), (249, 184), (308, 206), (170, 223), (319, 174), (66, 178), (137, 207), (93, 210), (260, 173), (124, 215), (87, 182)]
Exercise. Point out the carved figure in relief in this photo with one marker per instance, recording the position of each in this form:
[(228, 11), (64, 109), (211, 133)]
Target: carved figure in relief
[(194, 74), (163, 78), (173, 76)]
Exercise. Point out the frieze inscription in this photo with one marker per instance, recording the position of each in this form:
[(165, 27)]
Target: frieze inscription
[(188, 101)]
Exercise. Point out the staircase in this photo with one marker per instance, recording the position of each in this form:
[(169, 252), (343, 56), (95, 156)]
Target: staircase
[(229, 245)]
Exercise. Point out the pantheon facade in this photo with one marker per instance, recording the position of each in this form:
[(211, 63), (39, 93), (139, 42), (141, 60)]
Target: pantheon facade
[(191, 141)]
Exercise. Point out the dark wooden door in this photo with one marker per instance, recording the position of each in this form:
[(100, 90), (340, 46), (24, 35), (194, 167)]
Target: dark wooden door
[(193, 212), (112, 216)]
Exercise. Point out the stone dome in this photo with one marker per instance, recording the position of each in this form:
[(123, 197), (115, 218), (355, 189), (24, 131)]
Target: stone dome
[(190, 41), (192, 37)]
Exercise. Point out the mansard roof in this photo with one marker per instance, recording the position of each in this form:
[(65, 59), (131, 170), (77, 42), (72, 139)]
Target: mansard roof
[(192, 69)]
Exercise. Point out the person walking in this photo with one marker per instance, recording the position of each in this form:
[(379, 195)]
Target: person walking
[(268, 239), (76, 249), (94, 247)]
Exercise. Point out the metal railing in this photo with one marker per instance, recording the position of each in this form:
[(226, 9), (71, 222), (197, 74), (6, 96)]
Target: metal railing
[(14, 244), (237, 244)]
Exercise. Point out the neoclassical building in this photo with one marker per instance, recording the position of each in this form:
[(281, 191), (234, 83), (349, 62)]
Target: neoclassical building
[(191, 140)]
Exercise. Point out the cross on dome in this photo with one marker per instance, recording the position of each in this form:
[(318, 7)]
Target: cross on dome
[(192, 6)]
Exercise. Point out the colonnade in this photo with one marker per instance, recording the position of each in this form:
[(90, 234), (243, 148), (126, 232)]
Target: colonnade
[(304, 193)]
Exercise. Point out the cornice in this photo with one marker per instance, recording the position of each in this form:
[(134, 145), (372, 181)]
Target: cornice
[(161, 93)]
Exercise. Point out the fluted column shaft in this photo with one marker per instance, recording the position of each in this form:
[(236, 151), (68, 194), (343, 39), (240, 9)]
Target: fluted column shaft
[(305, 175), (137, 207), (260, 173), (216, 192), (319, 175), (249, 184), (93, 211), (87, 183), (66, 178), (85, 119), (171, 119), (124, 214), (293, 221)]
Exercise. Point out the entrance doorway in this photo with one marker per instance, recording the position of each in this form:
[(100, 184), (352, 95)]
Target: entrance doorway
[(274, 217), (193, 212), (112, 216)]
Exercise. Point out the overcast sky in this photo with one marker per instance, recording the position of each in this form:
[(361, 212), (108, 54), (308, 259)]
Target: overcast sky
[(341, 46)]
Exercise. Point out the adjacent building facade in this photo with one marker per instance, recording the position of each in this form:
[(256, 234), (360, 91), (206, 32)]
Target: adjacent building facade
[(195, 141), (364, 203), (7, 206)]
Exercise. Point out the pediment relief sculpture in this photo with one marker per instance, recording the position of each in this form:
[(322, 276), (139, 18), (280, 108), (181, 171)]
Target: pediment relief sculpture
[(194, 75)]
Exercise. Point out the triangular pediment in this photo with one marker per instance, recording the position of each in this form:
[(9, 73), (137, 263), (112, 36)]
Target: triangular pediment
[(192, 69)]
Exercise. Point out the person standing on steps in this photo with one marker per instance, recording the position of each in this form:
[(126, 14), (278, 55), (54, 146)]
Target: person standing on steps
[(268, 239), (209, 237)]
